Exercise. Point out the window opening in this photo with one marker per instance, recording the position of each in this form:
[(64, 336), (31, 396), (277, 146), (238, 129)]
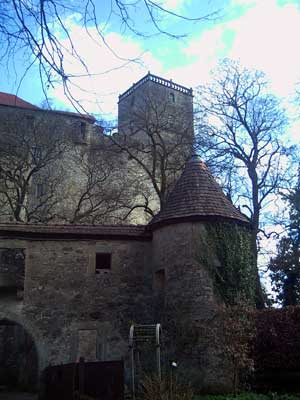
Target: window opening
[(83, 130), (103, 262), (172, 97), (37, 153), (29, 121), (40, 190), (12, 272), (160, 280), (171, 121)]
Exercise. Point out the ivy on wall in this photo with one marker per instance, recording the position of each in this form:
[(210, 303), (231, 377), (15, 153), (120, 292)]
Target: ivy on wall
[(227, 255)]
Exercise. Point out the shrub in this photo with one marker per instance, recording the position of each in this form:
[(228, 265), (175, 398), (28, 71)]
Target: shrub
[(168, 388), (277, 342)]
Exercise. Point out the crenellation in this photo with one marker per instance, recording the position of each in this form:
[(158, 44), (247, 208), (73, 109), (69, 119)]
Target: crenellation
[(159, 80)]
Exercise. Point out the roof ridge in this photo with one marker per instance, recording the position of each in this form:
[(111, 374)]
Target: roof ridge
[(9, 99)]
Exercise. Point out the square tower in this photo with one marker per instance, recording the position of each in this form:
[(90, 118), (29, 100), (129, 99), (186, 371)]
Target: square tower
[(158, 104)]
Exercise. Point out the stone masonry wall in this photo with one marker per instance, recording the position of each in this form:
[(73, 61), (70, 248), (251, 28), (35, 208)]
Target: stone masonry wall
[(157, 122), (61, 287), (190, 304), (38, 130), (71, 311), (150, 94), (187, 283)]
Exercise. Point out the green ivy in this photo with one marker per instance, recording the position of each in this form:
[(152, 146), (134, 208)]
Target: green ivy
[(226, 253)]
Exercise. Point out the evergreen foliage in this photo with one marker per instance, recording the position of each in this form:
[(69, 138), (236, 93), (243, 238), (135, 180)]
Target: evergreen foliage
[(285, 267)]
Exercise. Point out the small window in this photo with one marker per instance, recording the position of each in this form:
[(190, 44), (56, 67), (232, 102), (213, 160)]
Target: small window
[(171, 121), (12, 272), (172, 97), (29, 122), (132, 101), (37, 153), (103, 262), (83, 130), (40, 190), (160, 280)]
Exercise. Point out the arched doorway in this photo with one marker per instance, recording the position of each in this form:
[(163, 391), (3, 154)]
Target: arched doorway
[(18, 357)]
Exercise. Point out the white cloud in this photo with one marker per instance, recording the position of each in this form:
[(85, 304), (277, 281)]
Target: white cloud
[(204, 54), (264, 37), (173, 5), (267, 39), (98, 91), (235, 3)]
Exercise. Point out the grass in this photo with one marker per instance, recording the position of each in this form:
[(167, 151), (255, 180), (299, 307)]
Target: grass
[(250, 396)]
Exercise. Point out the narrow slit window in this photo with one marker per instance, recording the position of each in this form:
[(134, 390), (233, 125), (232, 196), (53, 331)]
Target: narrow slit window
[(83, 130), (29, 121), (40, 190), (103, 262), (160, 280), (36, 153), (172, 97), (132, 101)]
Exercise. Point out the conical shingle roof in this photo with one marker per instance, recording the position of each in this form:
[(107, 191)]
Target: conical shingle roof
[(197, 196)]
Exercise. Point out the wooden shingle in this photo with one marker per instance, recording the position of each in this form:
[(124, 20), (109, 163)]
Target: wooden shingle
[(197, 195)]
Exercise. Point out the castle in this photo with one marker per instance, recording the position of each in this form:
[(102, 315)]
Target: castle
[(75, 290)]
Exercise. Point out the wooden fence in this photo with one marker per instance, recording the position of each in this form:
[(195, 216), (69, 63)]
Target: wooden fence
[(98, 380)]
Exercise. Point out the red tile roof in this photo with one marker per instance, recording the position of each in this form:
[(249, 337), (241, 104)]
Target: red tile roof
[(8, 99), (195, 196), (75, 231)]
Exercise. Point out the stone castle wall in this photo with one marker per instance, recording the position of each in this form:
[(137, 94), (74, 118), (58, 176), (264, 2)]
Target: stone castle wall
[(70, 310), (190, 305), (57, 188), (36, 135), (156, 121), (87, 168), (188, 286)]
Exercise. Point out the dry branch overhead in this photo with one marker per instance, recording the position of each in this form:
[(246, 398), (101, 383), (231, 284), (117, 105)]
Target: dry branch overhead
[(38, 32)]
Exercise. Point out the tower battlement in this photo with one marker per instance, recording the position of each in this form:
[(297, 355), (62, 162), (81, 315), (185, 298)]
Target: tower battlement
[(160, 81), (165, 103)]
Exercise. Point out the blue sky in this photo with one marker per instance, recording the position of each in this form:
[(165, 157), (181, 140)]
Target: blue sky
[(262, 34)]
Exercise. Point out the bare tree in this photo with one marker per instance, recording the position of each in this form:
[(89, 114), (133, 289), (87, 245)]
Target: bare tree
[(39, 29), (47, 175), (241, 124), (157, 141), (29, 153), (103, 192)]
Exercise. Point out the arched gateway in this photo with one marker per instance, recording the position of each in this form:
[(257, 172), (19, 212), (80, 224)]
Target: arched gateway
[(19, 364)]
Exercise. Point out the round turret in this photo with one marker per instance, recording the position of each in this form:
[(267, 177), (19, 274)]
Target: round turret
[(197, 196), (202, 260)]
